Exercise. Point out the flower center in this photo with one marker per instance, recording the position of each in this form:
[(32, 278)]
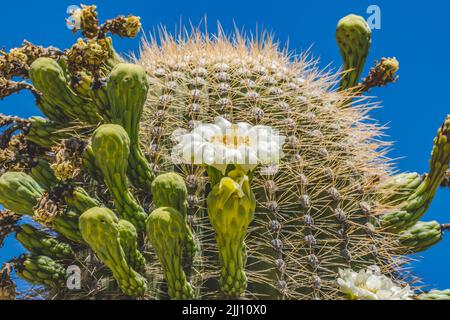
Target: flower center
[(232, 139)]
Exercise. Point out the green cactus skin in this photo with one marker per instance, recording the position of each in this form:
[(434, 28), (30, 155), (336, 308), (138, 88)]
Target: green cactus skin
[(53, 112), (435, 295), (99, 227), (169, 190), (41, 270), (113, 57), (85, 88), (127, 92), (417, 204), (80, 200), (45, 133), (19, 192), (111, 147), (67, 225), (421, 236), (48, 77), (88, 163), (231, 206), (398, 188), (77, 199), (353, 36), (167, 232), (128, 240), (43, 174), (41, 243)]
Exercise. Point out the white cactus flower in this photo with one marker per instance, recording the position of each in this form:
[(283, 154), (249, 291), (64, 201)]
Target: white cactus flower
[(74, 20), (370, 284), (224, 143)]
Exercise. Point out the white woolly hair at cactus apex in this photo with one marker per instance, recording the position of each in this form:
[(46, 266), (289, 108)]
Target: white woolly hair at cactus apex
[(208, 166)]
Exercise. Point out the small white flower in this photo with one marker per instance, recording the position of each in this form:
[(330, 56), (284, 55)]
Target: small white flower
[(224, 143), (74, 20), (370, 284)]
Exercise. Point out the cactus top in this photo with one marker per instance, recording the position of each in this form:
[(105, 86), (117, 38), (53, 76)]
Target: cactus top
[(224, 143)]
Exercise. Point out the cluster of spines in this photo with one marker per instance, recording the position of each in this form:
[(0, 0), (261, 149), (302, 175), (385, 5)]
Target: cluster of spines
[(328, 168)]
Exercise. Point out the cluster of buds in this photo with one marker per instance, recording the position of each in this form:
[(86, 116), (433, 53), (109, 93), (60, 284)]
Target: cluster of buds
[(86, 20), (383, 73), (8, 220), (88, 55), (17, 61), (67, 158), (7, 286)]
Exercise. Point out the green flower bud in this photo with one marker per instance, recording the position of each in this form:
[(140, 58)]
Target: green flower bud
[(166, 229), (353, 36), (100, 229), (231, 206)]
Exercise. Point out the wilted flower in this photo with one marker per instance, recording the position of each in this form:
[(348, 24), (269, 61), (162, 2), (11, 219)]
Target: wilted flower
[(370, 284)]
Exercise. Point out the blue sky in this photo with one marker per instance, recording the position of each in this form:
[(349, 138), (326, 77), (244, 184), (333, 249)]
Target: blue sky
[(414, 108)]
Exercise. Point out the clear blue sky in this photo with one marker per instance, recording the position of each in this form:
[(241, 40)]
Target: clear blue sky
[(417, 34)]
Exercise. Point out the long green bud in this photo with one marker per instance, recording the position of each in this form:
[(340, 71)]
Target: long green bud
[(48, 77), (100, 229), (167, 232), (40, 270), (169, 190), (41, 243), (353, 36), (45, 133), (128, 240), (111, 147), (231, 206), (43, 174), (399, 187), (420, 236), (127, 92), (19, 192), (435, 295), (417, 203), (66, 224)]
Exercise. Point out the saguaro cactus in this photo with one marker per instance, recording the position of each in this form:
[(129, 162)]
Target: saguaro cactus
[(208, 167)]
